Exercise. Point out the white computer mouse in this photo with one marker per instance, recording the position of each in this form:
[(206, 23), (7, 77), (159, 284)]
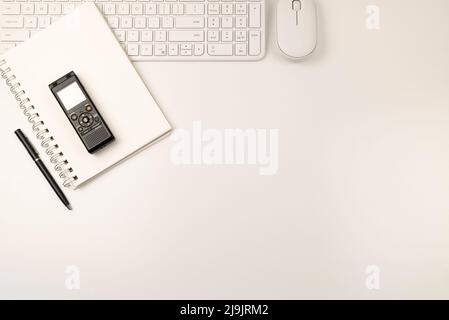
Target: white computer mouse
[(296, 27)]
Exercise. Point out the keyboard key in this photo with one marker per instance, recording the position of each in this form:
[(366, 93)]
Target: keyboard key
[(240, 22), (167, 22), (113, 22), (146, 36), (133, 49), (126, 22), (153, 22), (132, 35), (150, 8), (160, 36), (163, 8), (227, 8), (41, 8), (120, 35), (173, 49), (14, 35), (54, 8), (186, 52), (213, 8), (213, 22), (254, 42), (30, 22), (223, 49), (184, 36), (194, 8), (140, 22), (10, 8), (186, 46), (123, 8), (199, 49), (189, 22), (226, 35), (27, 8), (177, 9), (146, 49), (160, 50), (226, 22), (11, 22), (213, 35), (254, 15), (240, 8), (137, 8), (43, 21), (240, 35), (109, 8), (240, 49)]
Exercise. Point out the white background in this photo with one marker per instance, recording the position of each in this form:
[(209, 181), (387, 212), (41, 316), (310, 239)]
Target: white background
[(363, 178)]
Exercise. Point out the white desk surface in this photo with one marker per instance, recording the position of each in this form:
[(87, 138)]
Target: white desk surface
[(363, 179)]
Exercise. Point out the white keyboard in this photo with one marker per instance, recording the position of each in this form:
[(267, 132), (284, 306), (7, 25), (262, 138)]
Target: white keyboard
[(155, 29)]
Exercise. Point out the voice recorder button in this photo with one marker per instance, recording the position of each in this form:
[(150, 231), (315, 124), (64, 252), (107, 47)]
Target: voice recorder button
[(88, 108), (85, 119), (74, 117)]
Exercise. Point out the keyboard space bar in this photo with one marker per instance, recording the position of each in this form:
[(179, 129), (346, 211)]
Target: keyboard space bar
[(184, 35)]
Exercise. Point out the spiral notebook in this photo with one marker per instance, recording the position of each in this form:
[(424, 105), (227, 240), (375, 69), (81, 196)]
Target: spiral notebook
[(82, 42)]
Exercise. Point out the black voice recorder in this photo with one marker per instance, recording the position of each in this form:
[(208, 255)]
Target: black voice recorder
[(81, 112)]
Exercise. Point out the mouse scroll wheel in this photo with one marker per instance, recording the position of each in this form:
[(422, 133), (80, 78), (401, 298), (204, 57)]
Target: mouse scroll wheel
[(296, 5)]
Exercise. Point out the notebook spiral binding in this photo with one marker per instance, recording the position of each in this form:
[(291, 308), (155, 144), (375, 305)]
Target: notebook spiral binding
[(52, 149)]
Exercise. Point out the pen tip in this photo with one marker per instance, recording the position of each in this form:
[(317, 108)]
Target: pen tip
[(69, 207)]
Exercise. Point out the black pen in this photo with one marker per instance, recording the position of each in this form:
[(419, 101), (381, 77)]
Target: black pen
[(40, 164)]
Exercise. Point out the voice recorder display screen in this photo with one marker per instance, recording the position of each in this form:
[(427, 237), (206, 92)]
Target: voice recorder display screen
[(71, 96)]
